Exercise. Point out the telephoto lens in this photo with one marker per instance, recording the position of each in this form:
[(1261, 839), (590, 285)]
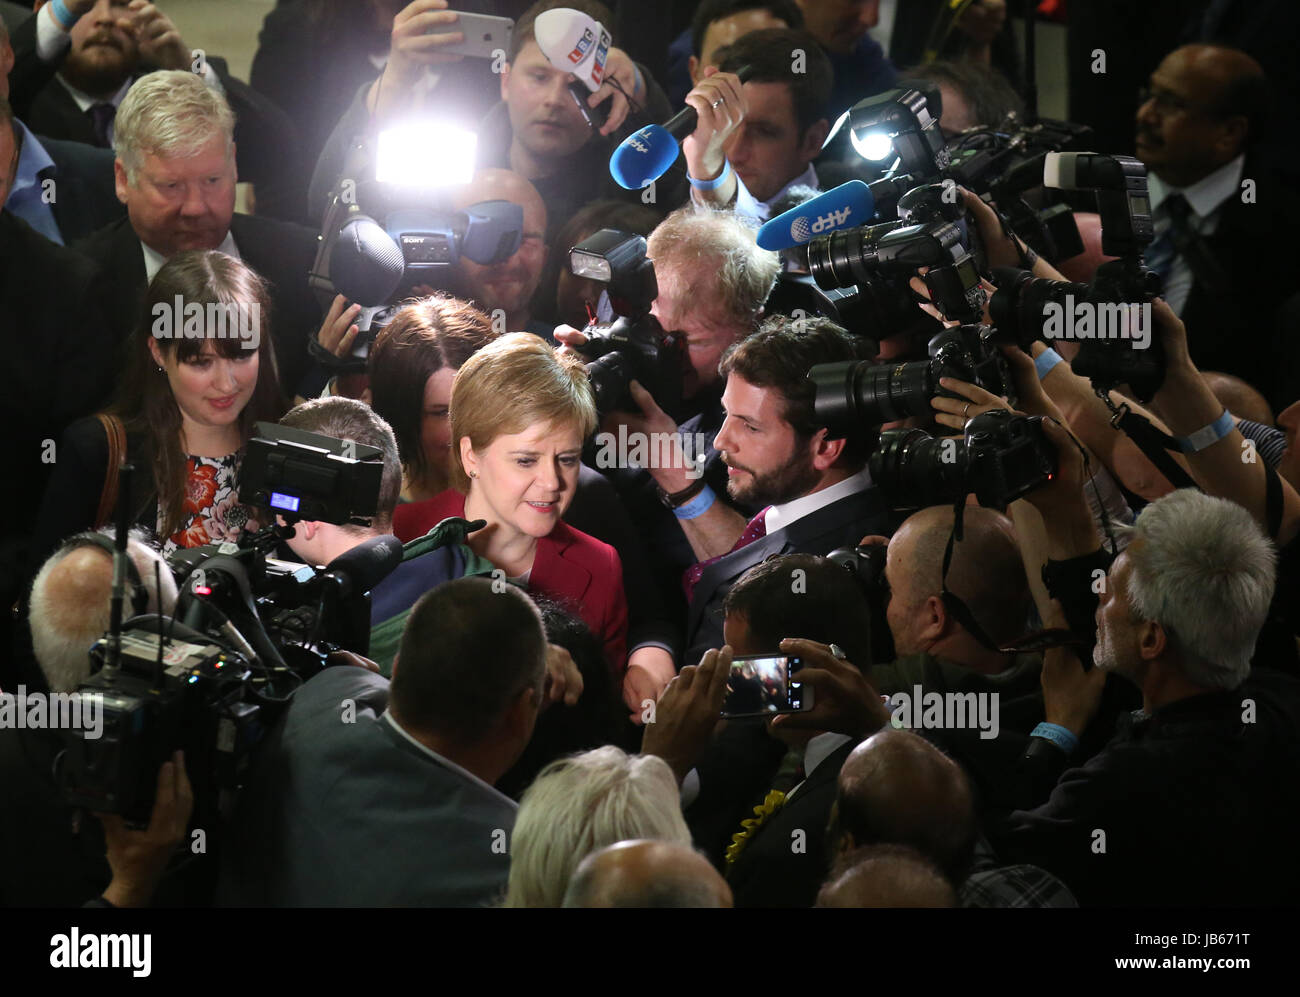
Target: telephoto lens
[(843, 259)]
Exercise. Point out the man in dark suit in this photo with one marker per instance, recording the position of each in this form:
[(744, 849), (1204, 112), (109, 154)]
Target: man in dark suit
[(73, 76), (59, 366), (63, 189), (1220, 216), (179, 194), (357, 805), (813, 483)]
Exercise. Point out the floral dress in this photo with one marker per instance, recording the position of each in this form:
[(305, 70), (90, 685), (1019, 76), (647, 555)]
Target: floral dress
[(211, 505)]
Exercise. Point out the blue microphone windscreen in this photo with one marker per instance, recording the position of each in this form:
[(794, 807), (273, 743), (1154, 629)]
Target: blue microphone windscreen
[(847, 206), (643, 157)]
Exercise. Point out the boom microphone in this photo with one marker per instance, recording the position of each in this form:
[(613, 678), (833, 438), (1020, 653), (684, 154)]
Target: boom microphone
[(366, 565), (645, 155), (848, 205)]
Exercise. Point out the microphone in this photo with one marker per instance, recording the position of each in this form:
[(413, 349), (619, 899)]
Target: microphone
[(574, 42), (848, 205), (645, 155), (365, 565)]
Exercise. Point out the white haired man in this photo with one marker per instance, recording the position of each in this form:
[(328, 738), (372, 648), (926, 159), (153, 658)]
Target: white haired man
[(1180, 806), (175, 172), (581, 804), (713, 282)]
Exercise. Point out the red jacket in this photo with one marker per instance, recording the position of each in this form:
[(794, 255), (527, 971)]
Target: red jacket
[(570, 567)]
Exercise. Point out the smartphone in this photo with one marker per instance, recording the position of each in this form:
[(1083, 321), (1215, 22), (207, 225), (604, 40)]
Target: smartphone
[(762, 685), (484, 35)]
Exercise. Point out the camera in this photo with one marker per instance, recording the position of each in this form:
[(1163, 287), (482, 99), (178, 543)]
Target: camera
[(389, 227), (1111, 317), (932, 232), (1001, 457), (634, 347), (247, 629), (852, 395), (865, 563)]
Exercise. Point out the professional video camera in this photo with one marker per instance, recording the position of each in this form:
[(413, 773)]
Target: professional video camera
[(634, 347), (389, 227), (247, 630), (1002, 457), (1117, 343)]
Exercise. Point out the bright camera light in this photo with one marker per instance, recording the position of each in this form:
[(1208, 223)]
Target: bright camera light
[(589, 265), (873, 145), (426, 155)]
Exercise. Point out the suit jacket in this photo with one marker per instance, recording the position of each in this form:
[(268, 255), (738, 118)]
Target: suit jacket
[(354, 814), (280, 252), (85, 196), (570, 567), (266, 152), (1233, 330), (769, 871), (29, 74), (842, 523), (58, 365)]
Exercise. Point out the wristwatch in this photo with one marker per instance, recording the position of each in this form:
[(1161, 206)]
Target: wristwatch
[(675, 499)]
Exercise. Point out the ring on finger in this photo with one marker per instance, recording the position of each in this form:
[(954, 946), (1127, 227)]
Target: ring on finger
[(717, 103), (965, 410)]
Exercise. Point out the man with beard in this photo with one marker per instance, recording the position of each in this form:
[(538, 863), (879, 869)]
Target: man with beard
[(813, 487), (504, 290), (89, 64)]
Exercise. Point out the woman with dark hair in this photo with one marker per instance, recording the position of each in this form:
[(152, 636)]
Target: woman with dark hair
[(200, 371), (412, 364)]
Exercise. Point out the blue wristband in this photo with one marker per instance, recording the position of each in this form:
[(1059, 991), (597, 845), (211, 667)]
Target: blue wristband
[(697, 506), (1207, 435), (1045, 361), (1058, 735), (61, 14), (715, 183)]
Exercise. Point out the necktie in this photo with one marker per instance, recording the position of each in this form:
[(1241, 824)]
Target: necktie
[(754, 531), (101, 119), (1171, 242)]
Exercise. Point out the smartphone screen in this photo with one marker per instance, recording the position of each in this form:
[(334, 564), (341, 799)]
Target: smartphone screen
[(760, 685)]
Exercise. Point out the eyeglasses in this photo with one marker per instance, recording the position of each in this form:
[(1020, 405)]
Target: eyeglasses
[(1171, 103)]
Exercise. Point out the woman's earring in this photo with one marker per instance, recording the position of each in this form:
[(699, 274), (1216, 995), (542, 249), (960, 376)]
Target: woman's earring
[(473, 474), (161, 370)]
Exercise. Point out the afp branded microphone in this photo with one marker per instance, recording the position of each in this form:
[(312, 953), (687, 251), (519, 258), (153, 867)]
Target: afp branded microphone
[(645, 155), (847, 205)]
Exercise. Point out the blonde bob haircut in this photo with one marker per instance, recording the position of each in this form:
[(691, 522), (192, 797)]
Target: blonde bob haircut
[(515, 382)]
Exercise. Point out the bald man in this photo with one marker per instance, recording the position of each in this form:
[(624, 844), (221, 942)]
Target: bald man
[(1219, 215), (646, 874), (887, 876), (69, 608), (504, 290), (986, 573)]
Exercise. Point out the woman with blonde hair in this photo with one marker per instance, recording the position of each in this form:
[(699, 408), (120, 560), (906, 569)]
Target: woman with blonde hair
[(520, 413)]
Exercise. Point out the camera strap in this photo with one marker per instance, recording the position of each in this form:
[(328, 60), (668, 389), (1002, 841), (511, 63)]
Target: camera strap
[(1154, 444), (952, 603)]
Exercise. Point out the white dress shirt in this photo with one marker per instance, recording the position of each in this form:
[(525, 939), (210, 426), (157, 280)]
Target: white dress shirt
[(781, 516), (154, 260)]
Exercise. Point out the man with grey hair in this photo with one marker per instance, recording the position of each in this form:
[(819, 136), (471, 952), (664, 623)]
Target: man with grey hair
[(69, 605), (1179, 807), (175, 172), (647, 874), (80, 58), (713, 282), (579, 804)]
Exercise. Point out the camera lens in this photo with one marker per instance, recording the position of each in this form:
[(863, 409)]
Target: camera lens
[(610, 376), (851, 395), (915, 469)]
